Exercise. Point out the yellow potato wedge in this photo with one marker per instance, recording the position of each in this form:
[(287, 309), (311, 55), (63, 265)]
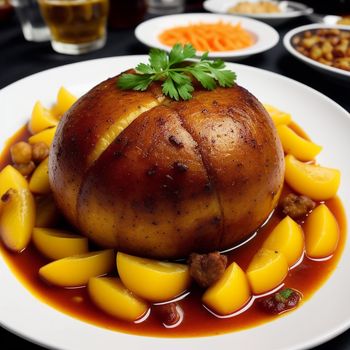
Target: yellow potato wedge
[(321, 233), (266, 271), (314, 181), (11, 178), (152, 279), (65, 100), (287, 238), (294, 144), (47, 214), (39, 181), (17, 218), (230, 293), (76, 270), (278, 117), (110, 295), (45, 136), (57, 244), (41, 119)]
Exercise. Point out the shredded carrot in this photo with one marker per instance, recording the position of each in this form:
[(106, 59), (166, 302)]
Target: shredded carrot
[(218, 36)]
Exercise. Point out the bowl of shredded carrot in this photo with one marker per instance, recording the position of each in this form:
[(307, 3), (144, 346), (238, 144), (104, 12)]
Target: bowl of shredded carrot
[(213, 37), (223, 36)]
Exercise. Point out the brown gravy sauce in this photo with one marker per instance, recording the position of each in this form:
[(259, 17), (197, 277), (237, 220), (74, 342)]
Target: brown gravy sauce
[(306, 277)]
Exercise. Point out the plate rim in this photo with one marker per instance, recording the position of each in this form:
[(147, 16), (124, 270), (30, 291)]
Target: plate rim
[(322, 67), (326, 336), (307, 10), (272, 41)]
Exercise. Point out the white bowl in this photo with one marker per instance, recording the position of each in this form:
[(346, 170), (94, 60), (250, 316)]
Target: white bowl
[(332, 71), (289, 10), (266, 37)]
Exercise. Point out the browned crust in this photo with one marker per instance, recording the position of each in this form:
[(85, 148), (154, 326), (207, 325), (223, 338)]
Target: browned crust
[(79, 131), (179, 170), (232, 123), (154, 167)]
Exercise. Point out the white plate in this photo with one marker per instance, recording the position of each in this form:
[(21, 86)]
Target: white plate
[(289, 10), (266, 37), (287, 41), (324, 316)]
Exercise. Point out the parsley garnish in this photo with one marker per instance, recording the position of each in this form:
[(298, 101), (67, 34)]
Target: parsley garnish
[(170, 69), (284, 294)]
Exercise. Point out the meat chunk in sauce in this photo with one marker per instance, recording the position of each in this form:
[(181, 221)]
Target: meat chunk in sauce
[(168, 314), (296, 206), (281, 301), (206, 269)]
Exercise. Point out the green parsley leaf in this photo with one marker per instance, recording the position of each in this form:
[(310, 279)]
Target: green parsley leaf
[(144, 69), (179, 78), (158, 59), (176, 73), (205, 56), (178, 53), (185, 91), (218, 64), (188, 51), (175, 55), (204, 78), (135, 82), (182, 84), (224, 77), (283, 295), (286, 293), (170, 89)]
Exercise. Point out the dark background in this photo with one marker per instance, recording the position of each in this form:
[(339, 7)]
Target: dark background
[(19, 59)]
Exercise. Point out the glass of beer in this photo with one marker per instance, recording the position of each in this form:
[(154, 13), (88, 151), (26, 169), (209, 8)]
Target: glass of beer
[(76, 26)]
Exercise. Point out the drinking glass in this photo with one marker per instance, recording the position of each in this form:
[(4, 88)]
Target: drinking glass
[(32, 23), (76, 26)]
